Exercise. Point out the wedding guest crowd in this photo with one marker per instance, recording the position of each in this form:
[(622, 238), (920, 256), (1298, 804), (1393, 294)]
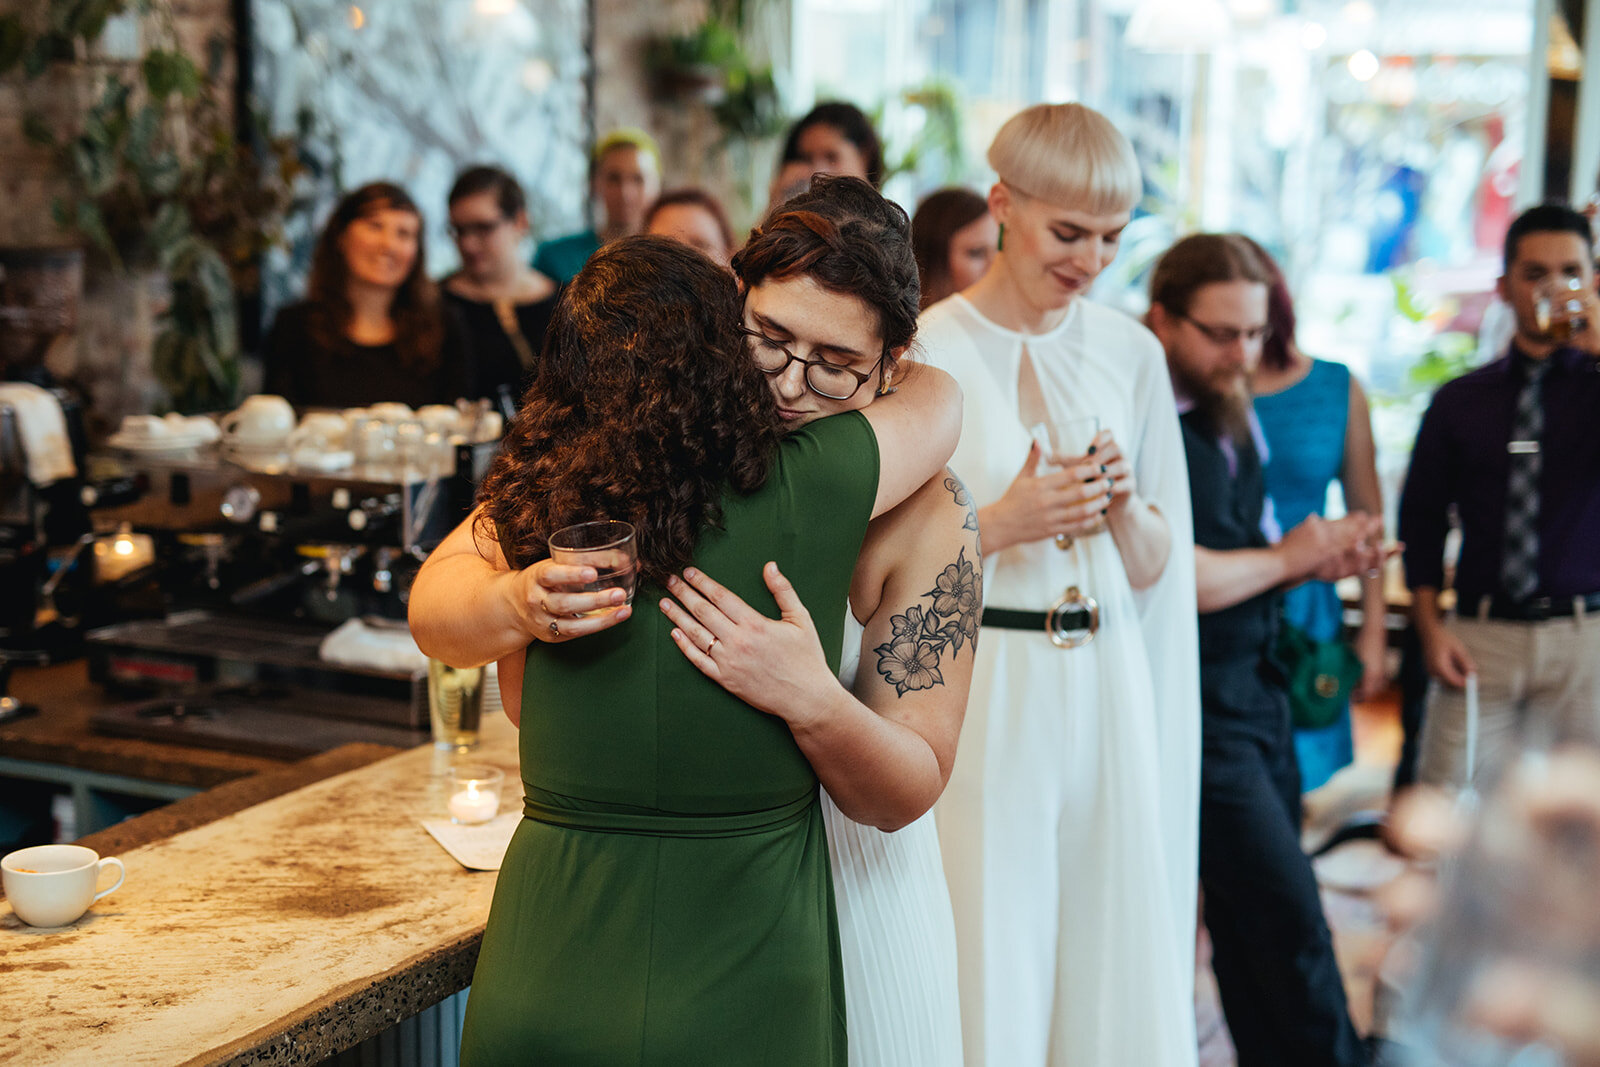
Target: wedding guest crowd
[(913, 765)]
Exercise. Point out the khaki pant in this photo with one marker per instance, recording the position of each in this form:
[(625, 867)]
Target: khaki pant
[(1537, 681)]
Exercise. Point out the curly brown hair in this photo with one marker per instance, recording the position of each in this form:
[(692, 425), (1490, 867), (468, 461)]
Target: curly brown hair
[(646, 408), (418, 318), (847, 238)]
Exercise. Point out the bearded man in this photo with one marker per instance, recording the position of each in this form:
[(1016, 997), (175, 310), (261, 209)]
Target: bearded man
[(1273, 956)]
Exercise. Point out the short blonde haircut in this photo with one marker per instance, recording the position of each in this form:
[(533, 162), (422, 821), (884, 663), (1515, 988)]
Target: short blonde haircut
[(1070, 156)]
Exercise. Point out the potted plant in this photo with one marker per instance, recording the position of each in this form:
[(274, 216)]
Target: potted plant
[(156, 179)]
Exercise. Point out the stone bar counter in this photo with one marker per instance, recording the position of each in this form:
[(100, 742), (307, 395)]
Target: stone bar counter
[(280, 933)]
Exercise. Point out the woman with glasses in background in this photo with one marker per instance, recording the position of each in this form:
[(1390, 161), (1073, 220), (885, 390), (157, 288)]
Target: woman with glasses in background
[(503, 304)]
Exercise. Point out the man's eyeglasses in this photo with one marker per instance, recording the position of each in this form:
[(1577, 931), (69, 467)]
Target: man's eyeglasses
[(823, 378), (474, 229), (1227, 335)]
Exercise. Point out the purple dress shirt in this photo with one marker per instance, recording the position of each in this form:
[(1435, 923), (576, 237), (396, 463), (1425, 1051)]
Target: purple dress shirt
[(1461, 460)]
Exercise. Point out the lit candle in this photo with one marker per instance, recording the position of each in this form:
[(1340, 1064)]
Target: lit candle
[(473, 804)]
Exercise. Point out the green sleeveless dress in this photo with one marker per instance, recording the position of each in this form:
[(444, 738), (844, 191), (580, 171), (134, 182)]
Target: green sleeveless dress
[(666, 899)]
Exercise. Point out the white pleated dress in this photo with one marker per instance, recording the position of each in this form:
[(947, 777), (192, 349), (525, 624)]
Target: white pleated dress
[(1070, 825), (896, 933)]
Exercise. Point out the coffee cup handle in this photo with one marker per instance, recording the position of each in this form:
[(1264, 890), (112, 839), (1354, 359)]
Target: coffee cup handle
[(229, 421), (122, 875)]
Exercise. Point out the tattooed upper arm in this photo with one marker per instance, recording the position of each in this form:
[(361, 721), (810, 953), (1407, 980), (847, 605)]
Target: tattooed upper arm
[(963, 498), (944, 619)]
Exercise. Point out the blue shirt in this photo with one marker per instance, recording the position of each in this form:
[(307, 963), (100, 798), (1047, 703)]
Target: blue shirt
[(562, 258), (1461, 461)]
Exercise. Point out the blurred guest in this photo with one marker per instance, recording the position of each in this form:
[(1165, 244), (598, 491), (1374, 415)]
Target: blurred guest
[(625, 176), (1281, 989), (954, 238), (504, 305), (372, 327), (695, 218), (1068, 828), (1511, 449), (792, 178), (1314, 416), (836, 138)]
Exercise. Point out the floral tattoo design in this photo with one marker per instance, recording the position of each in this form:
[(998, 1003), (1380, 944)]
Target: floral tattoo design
[(964, 499), (910, 659)]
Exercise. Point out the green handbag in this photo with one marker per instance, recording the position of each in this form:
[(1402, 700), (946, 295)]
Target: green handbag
[(1320, 676)]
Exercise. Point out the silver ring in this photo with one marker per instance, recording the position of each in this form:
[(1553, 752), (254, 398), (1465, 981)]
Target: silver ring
[(554, 629)]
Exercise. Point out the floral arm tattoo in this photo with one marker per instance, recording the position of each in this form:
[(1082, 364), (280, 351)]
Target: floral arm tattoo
[(964, 499), (910, 659)]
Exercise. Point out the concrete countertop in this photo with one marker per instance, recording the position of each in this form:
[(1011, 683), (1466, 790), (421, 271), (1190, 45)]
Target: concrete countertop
[(279, 933)]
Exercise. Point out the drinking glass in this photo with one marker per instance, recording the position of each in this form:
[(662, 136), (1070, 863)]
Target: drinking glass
[(1064, 443), (455, 704), (608, 546), (1558, 307)]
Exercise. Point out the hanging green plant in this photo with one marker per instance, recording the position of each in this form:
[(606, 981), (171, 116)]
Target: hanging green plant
[(157, 180)]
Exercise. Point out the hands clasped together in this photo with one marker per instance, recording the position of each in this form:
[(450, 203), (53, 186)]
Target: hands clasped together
[(1061, 496)]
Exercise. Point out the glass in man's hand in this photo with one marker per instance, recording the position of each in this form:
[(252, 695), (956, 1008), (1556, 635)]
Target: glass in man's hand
[(1558, 307), (609, 546)]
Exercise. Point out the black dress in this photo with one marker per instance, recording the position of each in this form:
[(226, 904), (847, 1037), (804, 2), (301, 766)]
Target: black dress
[(353, 375), (503, 372)]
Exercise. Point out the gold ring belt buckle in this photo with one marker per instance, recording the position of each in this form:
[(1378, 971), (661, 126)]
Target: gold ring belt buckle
[(1072, 602)]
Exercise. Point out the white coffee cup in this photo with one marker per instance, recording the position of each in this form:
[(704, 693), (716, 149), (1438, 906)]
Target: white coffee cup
[(260, 419), (144, 427), (320, 429), (440, 418), (390, 411), (53, 885)]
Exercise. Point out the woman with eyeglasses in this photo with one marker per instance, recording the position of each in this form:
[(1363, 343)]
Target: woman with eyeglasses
[(504, 304), (666, 898), (372, 327), (1070, 826), (830, 310)]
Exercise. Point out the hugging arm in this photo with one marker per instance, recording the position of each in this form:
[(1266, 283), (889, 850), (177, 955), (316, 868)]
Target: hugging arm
[(883, 750), (469, 606), (917, 427)]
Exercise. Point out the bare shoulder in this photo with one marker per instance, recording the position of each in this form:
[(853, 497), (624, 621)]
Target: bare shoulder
[(940, 514), (935, 527)]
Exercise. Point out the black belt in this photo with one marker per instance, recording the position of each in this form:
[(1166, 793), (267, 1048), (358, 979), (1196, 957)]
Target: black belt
[(1071, 621), (1537, 609)]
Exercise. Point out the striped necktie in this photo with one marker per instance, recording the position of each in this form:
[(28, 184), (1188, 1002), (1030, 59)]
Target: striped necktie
[(1519, 558)]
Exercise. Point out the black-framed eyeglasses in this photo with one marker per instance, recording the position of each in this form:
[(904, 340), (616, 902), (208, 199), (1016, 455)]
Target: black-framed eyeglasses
[(826, 379), (1227, 335), (474, 229)]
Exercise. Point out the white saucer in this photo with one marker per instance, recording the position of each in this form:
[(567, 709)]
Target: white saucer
[(168, 443)]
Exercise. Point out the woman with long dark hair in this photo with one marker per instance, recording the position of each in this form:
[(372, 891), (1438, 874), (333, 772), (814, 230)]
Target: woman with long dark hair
[(667, 896), (371, 327), (955, 239)]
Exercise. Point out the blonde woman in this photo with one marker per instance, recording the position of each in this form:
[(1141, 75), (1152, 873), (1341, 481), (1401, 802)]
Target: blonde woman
[(1069, 827)]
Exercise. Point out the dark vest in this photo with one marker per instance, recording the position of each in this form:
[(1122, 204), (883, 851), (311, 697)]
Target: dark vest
[(1227, 515)]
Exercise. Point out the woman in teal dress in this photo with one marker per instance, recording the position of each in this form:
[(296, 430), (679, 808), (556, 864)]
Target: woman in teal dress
[(1313, 414), (666, 899)]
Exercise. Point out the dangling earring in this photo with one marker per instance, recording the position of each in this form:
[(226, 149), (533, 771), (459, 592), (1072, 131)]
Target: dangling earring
[(1000, 245)]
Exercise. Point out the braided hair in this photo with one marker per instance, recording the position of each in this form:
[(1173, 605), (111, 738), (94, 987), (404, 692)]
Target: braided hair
[(845, 236)]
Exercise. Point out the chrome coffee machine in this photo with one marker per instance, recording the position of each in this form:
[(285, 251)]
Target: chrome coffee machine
[(260, 553)]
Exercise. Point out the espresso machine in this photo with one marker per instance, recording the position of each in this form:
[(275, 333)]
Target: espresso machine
[(260, 557)]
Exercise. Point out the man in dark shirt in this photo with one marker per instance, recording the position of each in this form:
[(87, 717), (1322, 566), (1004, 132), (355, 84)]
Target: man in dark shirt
[(1273, 956), (1514, 448)]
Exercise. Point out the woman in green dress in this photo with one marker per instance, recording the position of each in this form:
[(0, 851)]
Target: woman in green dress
[(667, 899)]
